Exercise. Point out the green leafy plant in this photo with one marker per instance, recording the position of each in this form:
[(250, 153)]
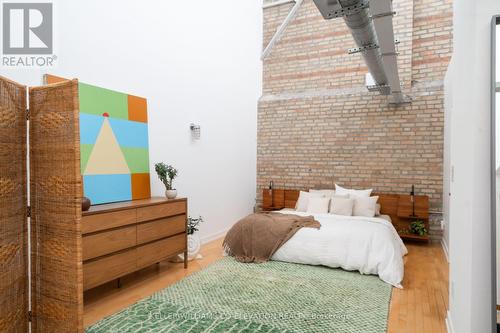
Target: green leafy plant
[(166, 173), (418, 228), (193, 223)]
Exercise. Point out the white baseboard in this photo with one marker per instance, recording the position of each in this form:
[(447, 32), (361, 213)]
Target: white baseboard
[(449, 324), (208, 238), (445, 250)]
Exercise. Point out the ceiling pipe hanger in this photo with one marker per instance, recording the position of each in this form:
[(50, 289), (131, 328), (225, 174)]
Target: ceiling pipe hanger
[(370, 23)]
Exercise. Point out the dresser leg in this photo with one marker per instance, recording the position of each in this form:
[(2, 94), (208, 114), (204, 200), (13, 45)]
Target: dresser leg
[(185, 260)]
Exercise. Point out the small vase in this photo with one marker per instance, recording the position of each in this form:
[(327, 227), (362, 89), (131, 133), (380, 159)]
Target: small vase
[(171, 194), (85, 204)]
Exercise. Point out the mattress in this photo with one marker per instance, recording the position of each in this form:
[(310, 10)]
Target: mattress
[(354, 243)]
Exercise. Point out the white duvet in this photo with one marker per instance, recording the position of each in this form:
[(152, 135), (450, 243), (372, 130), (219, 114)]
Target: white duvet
[(367, 245)]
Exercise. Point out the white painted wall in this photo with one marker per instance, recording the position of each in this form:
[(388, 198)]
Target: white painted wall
[(448, 106), (469, 232), (196, 61), (497, 164)]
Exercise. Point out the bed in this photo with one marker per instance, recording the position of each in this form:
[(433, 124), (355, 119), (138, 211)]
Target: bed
[(369, 245)]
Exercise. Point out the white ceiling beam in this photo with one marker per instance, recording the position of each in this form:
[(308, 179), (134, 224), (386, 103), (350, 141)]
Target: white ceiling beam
[(276, 3), (282, 28)]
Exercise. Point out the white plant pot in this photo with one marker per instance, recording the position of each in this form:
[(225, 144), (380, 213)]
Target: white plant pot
[(171, 194), (193, 245)]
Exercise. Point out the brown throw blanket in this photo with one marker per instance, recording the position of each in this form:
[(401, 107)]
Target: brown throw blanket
[(257, 237)]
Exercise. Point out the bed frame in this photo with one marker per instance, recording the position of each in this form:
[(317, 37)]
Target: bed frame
[(398, 206)]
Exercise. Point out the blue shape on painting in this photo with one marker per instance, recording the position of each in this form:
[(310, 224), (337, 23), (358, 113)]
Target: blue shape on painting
[(90, 126), (130, 133), (107, 188)]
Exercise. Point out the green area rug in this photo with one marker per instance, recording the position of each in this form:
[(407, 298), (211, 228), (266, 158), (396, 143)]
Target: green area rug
[(229, 296)]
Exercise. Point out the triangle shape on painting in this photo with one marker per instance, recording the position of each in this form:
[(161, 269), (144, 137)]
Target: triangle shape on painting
[(107, 157)]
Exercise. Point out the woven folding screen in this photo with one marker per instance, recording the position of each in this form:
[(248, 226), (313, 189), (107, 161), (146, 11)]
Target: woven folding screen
[(13, 233), (55, 199)]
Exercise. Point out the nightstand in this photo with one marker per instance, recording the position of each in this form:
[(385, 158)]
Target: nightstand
[(406, 216)]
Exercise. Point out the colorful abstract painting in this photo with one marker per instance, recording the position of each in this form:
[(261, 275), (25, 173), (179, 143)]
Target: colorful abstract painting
[(114, 145)]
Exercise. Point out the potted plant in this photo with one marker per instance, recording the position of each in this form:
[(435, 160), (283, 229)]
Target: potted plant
[(418, 228), (193, 239), (167, 174), (192, 225)]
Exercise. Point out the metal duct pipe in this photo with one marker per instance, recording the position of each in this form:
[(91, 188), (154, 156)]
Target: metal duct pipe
[(364, 35), (370, 22)]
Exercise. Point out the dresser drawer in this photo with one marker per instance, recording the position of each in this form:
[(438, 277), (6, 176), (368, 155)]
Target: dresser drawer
[(160, 211), (155, 252), (98, 222), (109, 268), (162, 228), (107, 242)]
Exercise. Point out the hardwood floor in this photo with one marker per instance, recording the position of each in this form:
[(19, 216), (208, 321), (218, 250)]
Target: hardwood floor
[(420, 307)]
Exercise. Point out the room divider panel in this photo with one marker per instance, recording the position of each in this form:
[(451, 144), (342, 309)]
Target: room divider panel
[(55, 199), (13, 227), (55, 209)]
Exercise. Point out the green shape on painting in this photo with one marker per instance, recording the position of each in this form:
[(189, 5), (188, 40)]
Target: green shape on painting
[(97, 101), (85, 150), (137, 159)]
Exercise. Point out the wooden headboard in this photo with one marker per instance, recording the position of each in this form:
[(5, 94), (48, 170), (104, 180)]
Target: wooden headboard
[(288, 198), (397, 206), (279, 199), (388, 204)]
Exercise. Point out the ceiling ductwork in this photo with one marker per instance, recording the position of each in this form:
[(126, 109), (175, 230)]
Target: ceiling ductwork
[(370, 23)]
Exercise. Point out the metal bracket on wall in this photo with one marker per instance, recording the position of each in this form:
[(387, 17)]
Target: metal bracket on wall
[(383, 15), (383, 89), (363, 48), (350, 10), (406, 99), (389, 54), (367, 47)]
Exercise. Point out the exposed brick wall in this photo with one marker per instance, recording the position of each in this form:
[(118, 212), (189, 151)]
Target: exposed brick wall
[(318, 125)]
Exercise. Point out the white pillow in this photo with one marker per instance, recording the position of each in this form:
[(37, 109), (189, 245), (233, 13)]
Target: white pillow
[(303, 200), (325, 193), (318, 205), (365, 206), (339, 190), (377, 209), (340, 205)]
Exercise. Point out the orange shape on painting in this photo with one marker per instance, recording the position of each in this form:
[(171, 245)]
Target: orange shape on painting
[(137, 109), (141, 188)]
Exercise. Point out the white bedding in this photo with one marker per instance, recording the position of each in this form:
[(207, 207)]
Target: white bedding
[(367, 245)]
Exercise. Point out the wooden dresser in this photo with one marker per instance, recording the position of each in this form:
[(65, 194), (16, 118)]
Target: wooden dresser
[(121, 238)]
